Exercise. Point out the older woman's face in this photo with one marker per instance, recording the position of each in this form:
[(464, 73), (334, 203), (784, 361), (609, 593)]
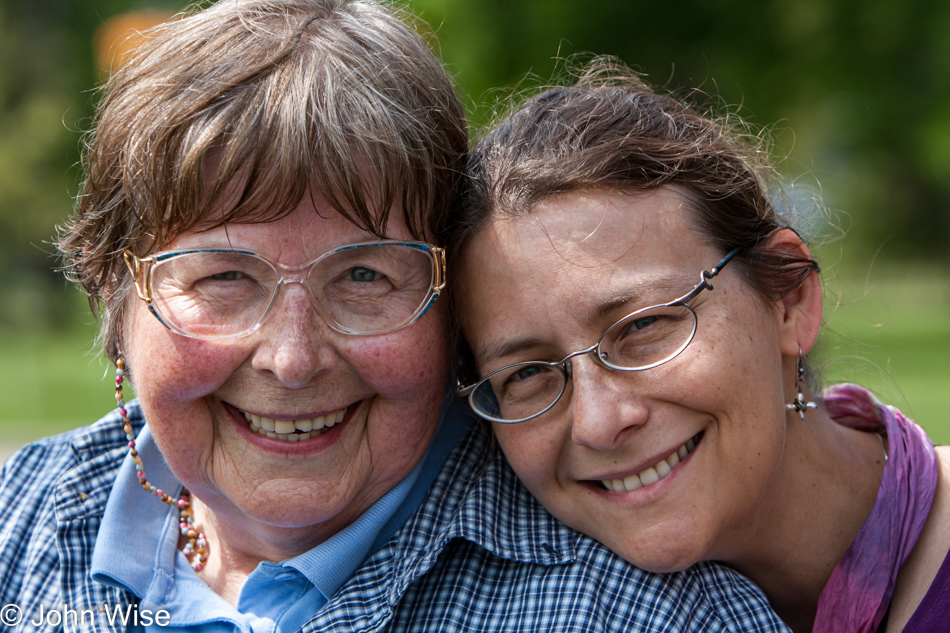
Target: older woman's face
[(541, 286), (198, 395)]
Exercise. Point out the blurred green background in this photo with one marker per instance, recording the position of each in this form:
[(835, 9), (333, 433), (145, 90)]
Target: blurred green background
[(855, 96)]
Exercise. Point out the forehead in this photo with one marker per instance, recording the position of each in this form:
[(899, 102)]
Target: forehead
[(309, 229), (595, 233), (232, 195), (574, 264)]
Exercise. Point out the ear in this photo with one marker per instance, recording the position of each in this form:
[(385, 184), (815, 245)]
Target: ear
[(802, 307)]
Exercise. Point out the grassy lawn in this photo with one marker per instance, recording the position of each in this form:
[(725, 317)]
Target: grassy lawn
[(51, 382), (891, 334)]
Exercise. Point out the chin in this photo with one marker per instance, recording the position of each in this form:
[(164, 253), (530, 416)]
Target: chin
[(660, 555)]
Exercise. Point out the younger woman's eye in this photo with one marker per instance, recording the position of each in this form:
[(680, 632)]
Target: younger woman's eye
[(639, 324), (526, 372), (362, 274)]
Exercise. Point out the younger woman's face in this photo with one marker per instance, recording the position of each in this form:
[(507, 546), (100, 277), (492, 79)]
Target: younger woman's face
[(546, 284)]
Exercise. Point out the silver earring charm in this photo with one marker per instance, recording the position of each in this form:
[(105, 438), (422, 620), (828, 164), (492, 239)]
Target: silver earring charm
[(799, 404)]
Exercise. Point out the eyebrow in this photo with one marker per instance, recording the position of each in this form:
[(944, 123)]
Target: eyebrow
[(500, 349), (675, 285)]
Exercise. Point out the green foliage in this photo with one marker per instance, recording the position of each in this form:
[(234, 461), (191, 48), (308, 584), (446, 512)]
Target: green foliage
[(890, 331), (860, 91)]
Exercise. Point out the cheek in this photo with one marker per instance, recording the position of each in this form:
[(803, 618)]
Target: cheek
[(170, 368), (409, 366), (533, 452)]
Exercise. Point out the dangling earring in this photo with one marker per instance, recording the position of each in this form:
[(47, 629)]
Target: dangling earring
[(799, 404), (195, 549)]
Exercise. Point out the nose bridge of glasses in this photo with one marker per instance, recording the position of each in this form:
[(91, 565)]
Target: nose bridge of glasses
[(298, 275), (567, 363)]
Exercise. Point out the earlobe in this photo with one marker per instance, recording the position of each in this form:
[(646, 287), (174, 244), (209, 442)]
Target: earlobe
[(801, 319)]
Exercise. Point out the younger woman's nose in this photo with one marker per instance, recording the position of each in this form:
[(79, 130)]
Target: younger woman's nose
[(605, 406)]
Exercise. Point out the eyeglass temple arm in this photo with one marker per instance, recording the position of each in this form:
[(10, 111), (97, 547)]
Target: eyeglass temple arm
[(461, 391), (706, 276), (140, 269), (438, 284), (722, 263)]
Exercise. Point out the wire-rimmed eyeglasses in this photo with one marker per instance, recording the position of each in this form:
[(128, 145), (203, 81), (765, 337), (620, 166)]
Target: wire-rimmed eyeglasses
[(641, 340), (360, 289)]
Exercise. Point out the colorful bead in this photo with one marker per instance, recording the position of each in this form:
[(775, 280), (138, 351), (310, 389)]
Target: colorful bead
[(195, 548)]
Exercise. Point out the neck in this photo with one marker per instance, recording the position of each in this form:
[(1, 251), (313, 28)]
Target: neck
[(233, 554), (825, 489)]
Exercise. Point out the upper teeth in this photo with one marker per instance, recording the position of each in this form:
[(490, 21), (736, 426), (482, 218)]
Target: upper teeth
[(293, 430), (652, 474)]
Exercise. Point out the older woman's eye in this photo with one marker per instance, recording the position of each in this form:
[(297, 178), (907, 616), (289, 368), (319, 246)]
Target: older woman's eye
[(363, 274), (230, 275)]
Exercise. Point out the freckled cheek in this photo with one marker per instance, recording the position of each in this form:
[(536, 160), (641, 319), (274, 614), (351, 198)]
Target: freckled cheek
[(167, 367), (404, 367), (535, 456)]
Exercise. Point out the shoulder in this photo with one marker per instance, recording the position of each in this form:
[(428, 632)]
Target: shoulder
[(37, 466), (44, 486), (472, 589), (928, 559), (486, 556)]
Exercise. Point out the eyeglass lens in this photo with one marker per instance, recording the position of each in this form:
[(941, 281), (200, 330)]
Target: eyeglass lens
[(642, 340), (366, 289)]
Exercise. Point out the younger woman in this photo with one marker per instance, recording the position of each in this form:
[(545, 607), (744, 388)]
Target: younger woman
[(637, 316)]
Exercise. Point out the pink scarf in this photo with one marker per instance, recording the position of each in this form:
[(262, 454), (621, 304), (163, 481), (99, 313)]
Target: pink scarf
[(860, 588)]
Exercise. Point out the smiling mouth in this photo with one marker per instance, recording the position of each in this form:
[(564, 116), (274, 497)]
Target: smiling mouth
[(654, 473), (293, 430)]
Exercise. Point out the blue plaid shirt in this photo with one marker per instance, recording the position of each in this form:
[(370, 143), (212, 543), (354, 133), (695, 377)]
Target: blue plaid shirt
[(480, 554)]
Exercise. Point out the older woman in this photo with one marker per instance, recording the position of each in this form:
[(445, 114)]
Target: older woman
[(667, 418), (263, 189)]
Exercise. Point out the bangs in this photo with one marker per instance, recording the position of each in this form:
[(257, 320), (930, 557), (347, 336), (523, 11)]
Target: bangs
[(250, 140), (236, 112)]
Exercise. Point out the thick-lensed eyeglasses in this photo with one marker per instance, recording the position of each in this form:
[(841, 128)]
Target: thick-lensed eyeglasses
[(641, 340), (359, 289)]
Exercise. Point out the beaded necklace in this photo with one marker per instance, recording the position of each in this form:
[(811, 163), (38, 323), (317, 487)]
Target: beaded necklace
[(196, 545)]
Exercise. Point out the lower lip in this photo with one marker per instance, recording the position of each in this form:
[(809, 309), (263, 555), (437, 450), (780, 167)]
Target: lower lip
[(310, 446), (647, 494)]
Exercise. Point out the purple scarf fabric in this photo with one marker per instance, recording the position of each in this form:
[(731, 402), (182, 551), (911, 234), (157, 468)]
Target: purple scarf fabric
[(861, 586)]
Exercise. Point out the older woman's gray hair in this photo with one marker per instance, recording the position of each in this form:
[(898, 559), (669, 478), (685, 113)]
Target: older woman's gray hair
[(340, 94)]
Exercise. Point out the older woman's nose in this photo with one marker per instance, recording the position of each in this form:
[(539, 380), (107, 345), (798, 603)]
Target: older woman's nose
[(605, 406), (295, 345)]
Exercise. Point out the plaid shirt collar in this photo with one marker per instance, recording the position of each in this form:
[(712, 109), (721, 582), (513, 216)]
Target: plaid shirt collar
[(476, 498), (464, 502)]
